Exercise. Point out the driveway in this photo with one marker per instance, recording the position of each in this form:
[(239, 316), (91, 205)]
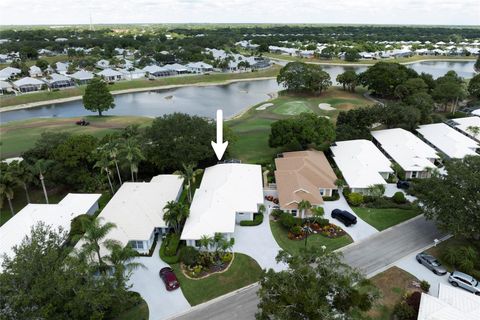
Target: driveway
[(410, 264), (391, 189), (146, 281), (359, 231), (259, 243)]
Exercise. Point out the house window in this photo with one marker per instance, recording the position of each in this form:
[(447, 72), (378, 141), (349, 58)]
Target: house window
[(197, 243), (294, 213), (322, 192), (414, 174), (136, 244)]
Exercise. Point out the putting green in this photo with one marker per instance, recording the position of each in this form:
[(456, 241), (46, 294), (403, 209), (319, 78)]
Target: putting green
[(292, 108)]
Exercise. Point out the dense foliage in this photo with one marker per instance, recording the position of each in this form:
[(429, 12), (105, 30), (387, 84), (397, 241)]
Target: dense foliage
[(97, 97), (383, 77), (302, 77)]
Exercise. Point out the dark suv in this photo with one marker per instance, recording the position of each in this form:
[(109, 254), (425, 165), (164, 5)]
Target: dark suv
[(402, 184), (344, 216)]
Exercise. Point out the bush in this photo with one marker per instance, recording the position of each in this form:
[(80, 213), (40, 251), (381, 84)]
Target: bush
[(227, 257), (276, 213), (171, 243), (403, 311), (425, 286), (168, 259), (334, 197), (413, 300), (399, 171), (257, 220), (321, 221), (188, 255), (346, 192), (399, 198), (296, 230), (355, 199), (287, 220)]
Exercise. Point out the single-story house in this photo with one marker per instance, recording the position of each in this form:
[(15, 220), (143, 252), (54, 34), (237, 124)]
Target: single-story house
[(137, 210), (132, 73), (28, 84), (178, 68), (449, 141), (9, 72), (110, 75), (476, 112), (157, 71), (361, 163), (82, 76), (229, 193), (451, 303), (468, 126), (5, 87), (199, 67), (58, 215), (303, 175), (62, 67), (413, 155), (58, 81), (102, 64), (35, 71)]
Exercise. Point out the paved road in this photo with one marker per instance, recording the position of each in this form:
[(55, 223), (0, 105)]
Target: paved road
[(370, 255)]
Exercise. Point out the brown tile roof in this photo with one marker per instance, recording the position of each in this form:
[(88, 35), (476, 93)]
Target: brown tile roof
[(300, 175)]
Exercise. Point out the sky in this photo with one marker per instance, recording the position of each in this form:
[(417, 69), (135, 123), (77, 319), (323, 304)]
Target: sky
[(65, 12)]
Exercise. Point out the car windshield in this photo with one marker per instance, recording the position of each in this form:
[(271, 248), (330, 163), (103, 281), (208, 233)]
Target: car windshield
[(435, 263)]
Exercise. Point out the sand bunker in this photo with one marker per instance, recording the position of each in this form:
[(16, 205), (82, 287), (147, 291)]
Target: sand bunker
[(325, 106), (264, 106)]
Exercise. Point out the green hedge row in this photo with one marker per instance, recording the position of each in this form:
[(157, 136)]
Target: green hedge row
[(169, 248), (257, 220)]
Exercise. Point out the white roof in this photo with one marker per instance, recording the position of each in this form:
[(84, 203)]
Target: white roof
[(34, 70), (27, 81), (176, 67), (7, 72), (225, 190), (57, 77), (463, 124), (476, 112), (5, 85), (56, 215), (137, 208), (62, 66), (409, 151), (82, 75), (361, 163), (132, 71), (452, 303), (448, 140), (154, 68), (109, 73), (199, 65)]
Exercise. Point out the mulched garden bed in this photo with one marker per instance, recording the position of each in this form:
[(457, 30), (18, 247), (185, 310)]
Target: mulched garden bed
[(330, 231)]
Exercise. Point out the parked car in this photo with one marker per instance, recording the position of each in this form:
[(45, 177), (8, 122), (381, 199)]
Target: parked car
[(344, 216), (430, 262), (169, 278), (82, 122), (463, 280), (402, 184)]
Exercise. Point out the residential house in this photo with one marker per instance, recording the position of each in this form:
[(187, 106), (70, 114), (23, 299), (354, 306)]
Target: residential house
[(449, 141), (132, 73), (110, 75), (28, 84), (177, 68), (467, 126), (58, 215), (362, 164), (157, 71), (58, 81), (102, 64), (137, 210), (199, 67), (82, 76), (5, 87), (303, 175), (229, 193), (62, 67), (414, 156), (35, 72), (8, 73)]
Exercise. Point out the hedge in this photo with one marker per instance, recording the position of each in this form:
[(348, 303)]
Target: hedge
[(169, 249), (257, 220)]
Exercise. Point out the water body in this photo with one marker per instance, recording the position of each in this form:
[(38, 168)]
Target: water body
[(204, 101)]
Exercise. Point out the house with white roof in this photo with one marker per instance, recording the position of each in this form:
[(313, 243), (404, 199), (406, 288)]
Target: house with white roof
[(452, 303), (82, 76), (229, 193), (110, 75), (132, 73), (28, 84), (62, 67), (102, 64), (58, 215), (157, 71), (468, 126), (137, 210), (449, 141), (199, 67), (9, 72), (476, 112), (35, 71), (178, 68), (5, 87), (413, 155), (361, 163), (58, 81)]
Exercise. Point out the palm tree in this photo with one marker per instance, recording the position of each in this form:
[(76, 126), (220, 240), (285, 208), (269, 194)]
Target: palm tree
[(7, 186), (474, 130), (133, 154), (189, 175), (303, 206), (93, 237), (23, 174), (112, 149), (40, 167), (121, 259), (104, 164), (261, 209), (205, 242), (175, 215)]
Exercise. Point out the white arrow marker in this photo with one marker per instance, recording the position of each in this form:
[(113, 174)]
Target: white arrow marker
[(219, 147)]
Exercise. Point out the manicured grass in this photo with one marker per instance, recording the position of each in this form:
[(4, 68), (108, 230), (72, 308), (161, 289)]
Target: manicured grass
[(291, 108), (314, 240), (382, 219), (140, 83), (19, 136), (139, 312), (393, 284), (243, 271)]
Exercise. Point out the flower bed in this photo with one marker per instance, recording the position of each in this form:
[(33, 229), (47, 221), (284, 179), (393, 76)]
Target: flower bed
[(200, 271), (271, 199), (330, 231)]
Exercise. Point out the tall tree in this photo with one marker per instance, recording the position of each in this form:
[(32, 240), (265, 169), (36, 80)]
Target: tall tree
[(39, 169), (316, 285), (93, 239), (474, 87), (348, 79), (383, 77), (97, 97), (23, 174), (103, 163), (303, 77), (303, 207), (189, 175), (122, 259), (175, 214), (7, 187), (113, 151), (449, 90), (130, 150)]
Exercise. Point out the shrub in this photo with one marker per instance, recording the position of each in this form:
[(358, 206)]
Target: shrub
[(403, 311), (321, 221), (171, 244), (257, 220), (346, 192), (227, 257), (399, 198), (287, 220), (276, 213), (168, 259), (452, 255), (398, 171), (425, 286), (355, 199), (296, 230), (189, 255), (334, 197), (413, 300)]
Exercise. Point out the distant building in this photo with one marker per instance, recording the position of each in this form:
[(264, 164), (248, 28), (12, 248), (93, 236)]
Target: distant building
[(5, 87), (35, 71), (467, 126), (8, 73), (82, 76), (28, 84), (58, 81), (157, 71), (110, 75), (132, 73), (102, 64), (199, 67), (177, 68)]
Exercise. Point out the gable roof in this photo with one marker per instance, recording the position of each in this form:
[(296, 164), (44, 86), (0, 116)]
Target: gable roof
[(82, 75), (300, 175), (27, 81), (463, 124), (109, 73)]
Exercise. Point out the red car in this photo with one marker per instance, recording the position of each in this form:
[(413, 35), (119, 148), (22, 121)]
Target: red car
[(169, 278)]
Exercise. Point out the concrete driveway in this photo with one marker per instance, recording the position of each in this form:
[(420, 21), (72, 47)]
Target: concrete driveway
[(391, 189), (259, 243), (146, 281), (359, 231)]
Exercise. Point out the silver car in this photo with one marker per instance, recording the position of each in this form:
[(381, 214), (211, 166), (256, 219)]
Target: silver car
[(463, 280), (431, 263)]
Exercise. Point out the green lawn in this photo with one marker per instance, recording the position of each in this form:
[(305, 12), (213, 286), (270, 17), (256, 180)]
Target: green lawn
[(19, 136), (139, 312), (382, 219), (291, 108), (315, 240), (242, 272)]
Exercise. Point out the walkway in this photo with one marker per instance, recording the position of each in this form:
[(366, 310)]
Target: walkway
[(146, 281)]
